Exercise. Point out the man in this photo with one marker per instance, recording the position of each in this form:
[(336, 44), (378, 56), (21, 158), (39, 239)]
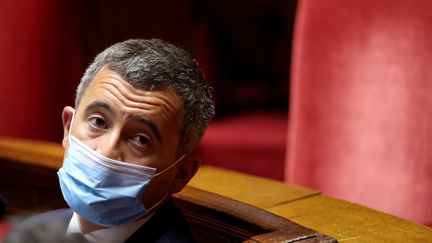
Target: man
[(140, 110)]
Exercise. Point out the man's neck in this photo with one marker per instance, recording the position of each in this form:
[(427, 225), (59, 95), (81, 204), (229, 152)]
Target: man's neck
[(87, 226)]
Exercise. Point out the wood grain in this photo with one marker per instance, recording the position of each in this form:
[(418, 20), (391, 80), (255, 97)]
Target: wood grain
[(28, 179)]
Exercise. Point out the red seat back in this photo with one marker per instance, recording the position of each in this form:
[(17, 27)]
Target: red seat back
[(361, 108)]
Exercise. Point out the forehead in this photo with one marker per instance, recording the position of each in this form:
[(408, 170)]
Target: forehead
[(109, 87)]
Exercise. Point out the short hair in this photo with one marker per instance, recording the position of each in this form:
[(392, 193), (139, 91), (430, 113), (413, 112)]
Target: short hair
[(154, 64)]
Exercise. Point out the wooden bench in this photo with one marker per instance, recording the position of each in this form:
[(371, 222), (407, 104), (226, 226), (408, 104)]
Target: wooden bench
[(219, 204), (28, 180)]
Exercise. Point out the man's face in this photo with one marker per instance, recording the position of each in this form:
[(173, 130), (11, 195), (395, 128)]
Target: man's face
[(128, 124)]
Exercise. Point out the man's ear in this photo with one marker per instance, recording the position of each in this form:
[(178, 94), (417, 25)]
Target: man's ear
[(67, 115), (186, 170)]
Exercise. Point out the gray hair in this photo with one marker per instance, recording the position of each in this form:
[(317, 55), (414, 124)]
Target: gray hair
[(157, 65)]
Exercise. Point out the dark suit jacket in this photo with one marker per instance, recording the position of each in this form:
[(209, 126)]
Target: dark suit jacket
[(166, 225)]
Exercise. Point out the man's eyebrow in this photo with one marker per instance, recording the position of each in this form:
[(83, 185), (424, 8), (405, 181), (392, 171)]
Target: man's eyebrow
[(102, 105), (151, 125), (98, 105)]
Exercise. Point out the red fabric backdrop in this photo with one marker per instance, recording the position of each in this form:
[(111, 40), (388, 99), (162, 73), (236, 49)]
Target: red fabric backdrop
[(40, 64), (361, 108), (46, 45)]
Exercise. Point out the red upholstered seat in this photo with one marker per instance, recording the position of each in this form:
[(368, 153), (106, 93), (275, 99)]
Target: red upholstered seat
[(4, 229), (361, 108), (253, 142)]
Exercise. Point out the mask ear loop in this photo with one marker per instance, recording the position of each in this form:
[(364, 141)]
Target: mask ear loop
[(155, 206), (172, 165), (152, 208)]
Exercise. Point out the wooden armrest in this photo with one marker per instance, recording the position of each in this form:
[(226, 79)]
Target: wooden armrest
[(215, 218), (28, 179), (31, 152)]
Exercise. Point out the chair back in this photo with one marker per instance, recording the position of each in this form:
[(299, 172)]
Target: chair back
[(361, 104)]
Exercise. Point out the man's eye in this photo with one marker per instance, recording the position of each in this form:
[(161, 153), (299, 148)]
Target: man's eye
[(141, 140), (98, 122)]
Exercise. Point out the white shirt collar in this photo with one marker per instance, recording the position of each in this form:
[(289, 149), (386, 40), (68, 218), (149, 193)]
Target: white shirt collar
[(109, 235)]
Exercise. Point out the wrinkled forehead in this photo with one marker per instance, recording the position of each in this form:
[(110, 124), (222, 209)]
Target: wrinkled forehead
[(131, 85), (114, 86)]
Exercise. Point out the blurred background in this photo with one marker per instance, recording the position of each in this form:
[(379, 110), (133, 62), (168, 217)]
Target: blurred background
[(243, 48), (332, 95)]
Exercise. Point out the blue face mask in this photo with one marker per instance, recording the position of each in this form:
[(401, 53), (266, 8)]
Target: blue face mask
[(102, 190)]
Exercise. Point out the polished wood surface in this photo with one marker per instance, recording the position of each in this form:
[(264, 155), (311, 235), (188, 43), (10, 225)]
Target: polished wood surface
[(256, 191), (215, 218), (28, 178), (350, 222), (345, 221), (33, 152)]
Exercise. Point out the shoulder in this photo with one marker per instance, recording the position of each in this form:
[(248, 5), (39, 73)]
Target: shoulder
[(166, 225), (44, 227)]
